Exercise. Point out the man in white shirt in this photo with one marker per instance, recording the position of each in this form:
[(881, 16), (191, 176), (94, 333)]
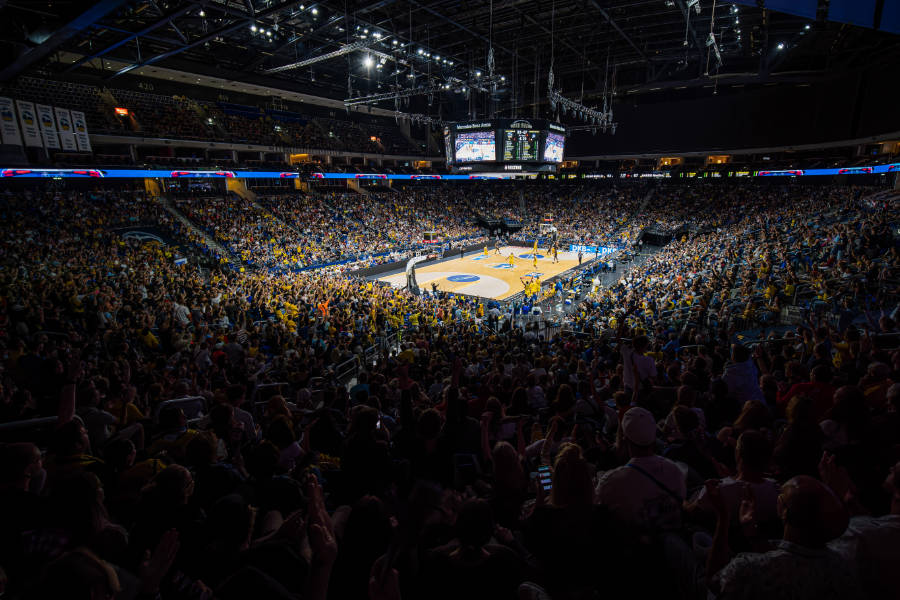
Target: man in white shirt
[(182, 314), (649, 490)]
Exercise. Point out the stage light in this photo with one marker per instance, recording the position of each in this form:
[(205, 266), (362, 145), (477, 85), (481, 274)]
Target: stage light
[(253, 28), (366, 31), (394, 42), (421, 51), (477, 73), (368, 61), (737, 21), (450, 63), (202, 13), (806, 27), (377, 35), (780, 45), (502, 78), (315, 11), (269, 33), (436, 57)]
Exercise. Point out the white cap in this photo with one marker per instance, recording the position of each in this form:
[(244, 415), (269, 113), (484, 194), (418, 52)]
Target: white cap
[(639, 426)]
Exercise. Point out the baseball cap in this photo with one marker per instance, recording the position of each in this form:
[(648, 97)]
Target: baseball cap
[(639, 426)]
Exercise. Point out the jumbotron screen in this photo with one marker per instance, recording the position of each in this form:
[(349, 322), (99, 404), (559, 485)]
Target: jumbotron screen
[(521, 144), (553, 149), (477, 146)]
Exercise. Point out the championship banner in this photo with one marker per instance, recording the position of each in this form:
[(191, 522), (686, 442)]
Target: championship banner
[(31, 131), (79, 123), (9, 127), (48, 126), (66, 132)]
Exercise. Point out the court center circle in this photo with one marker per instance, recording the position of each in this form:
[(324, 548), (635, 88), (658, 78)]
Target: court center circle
[(463, 278)]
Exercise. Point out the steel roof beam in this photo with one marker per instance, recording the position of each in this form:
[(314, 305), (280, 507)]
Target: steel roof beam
[(62, 35)]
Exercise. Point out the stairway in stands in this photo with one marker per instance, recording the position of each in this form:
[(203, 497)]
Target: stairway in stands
[(207, 239)]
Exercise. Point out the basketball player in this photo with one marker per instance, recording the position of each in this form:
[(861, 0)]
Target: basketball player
[(555, 254), (534, 261), (511, 260), (497, 246), (485, 252)]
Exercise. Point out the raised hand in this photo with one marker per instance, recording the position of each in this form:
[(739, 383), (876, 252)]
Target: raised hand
[(155, 566)]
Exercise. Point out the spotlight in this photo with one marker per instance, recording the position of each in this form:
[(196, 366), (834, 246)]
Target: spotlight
[(253, 28), (421, 51), (436, 57), (780, 45), (737, 21), (366, 31), (450, 63), (502, 78), (806, 27), (477, 73), (394, 42), (315, 11), (368, 61), (269, 33), (202, 13)]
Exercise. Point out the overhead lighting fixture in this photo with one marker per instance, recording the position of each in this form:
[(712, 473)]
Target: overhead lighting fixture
[(450, 63), (366, 31), (503, 78), (394, 42), (202, 13), (368, 61), (477, 73), (253, 28), (806, 27), (269, 32), (421, 51), (315, 11), (780, 45), (437, 57)]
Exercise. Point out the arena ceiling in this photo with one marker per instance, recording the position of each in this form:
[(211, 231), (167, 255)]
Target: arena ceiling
[(435, 54)]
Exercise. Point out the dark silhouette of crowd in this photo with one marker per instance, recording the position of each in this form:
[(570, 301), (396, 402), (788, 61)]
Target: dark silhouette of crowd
[(723, 421)]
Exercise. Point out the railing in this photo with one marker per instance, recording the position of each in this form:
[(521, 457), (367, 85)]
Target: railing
[(194, 407)]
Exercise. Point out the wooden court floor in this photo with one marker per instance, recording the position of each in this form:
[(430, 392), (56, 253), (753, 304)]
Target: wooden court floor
[(488, 276)]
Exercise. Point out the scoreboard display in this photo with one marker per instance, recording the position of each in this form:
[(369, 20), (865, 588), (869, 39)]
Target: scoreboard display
[(521, 144), (525, 145)]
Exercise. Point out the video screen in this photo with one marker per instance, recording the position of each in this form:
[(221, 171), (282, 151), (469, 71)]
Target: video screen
[(475, 146), (448, 145), (553, 150), (520, 144)]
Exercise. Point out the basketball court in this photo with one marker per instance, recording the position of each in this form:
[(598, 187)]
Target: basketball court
[(490, 276)]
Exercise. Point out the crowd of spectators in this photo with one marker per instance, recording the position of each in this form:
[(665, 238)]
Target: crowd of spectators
[(632, 453)]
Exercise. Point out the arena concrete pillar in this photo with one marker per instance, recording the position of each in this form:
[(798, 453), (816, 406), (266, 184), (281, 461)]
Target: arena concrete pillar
[(151, 186), (239, 187)]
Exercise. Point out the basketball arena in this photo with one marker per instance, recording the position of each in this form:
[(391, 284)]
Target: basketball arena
[(431, 300)]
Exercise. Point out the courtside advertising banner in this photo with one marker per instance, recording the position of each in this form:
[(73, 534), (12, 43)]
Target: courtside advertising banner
[(31, 131), (48, 126), (9, 127), (66, 131), (79, 123)]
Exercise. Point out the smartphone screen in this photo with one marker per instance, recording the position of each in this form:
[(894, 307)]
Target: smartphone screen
[(545, 478)]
